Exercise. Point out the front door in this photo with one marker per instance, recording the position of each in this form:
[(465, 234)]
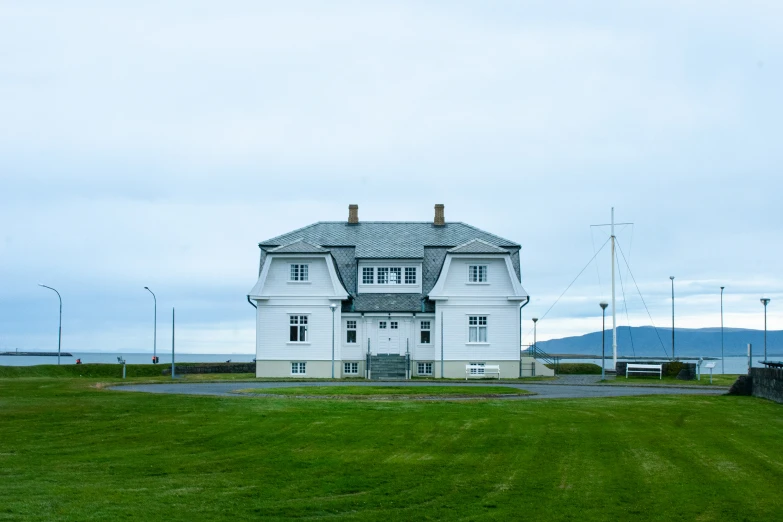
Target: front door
[(388, 336)]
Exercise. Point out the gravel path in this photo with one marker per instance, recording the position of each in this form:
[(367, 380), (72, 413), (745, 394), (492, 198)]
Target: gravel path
[(542, 391)]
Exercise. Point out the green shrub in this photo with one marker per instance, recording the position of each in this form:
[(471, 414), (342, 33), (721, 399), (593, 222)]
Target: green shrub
[(576, 368), (672, 369)]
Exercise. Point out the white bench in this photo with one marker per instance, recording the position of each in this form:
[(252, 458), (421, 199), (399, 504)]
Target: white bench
[(644, 368), (476, 370)]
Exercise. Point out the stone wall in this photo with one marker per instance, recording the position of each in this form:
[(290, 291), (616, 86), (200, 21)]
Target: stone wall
[(244, 367), (767, 383), (681, 370), (742, 386)]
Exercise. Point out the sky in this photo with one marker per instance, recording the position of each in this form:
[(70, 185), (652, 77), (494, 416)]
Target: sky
[(156, 143)]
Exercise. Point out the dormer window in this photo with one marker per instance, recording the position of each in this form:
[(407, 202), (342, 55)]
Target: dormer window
[(389, 275), (477, 273), (395, 275), (299, 273), (367, 275)]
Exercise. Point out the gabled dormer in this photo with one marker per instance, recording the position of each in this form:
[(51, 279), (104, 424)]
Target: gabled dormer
[(298, 268), (478, 268)]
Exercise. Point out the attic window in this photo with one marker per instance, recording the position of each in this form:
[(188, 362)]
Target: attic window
[(477, 273), (299, 273)]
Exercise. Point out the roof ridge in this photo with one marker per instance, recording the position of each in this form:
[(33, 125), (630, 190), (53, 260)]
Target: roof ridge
[(495, 248), (509, 242)]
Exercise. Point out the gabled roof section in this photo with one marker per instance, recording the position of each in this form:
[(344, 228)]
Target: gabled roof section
[(388, 239), (477, 246), (299, 246)]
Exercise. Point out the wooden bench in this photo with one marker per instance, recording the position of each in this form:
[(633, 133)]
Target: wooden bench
[(644, 368), (476, 370)]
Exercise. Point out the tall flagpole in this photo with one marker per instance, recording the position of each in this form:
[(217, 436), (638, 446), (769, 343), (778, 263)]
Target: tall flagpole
[(614, 313)]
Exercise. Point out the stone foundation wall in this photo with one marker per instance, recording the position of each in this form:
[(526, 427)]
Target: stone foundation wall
[(767, 383), (249, 367)]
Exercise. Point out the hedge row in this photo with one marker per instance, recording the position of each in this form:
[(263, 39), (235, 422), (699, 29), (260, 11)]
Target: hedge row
[(576, 368)]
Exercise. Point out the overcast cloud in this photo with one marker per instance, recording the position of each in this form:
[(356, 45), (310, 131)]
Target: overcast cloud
[(156, 144)]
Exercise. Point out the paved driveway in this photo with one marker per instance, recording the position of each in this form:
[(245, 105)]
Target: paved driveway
[(543, 391)]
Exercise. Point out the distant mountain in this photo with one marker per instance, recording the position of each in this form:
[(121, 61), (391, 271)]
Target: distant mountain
[(644, 340)]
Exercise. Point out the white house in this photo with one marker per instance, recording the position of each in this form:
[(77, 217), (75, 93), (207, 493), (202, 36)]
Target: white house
[(387, 300)]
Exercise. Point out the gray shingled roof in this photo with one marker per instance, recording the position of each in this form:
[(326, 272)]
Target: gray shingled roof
[(387, 303), (298, 247), (477, 246), (390, 240)]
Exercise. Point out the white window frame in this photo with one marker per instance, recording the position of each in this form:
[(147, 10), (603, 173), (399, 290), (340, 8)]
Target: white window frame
[(477, 368), (351, 368), (428, 329), (390, 275), (422, 368), (298, 368), (395, 275), (299, 324), (299, 273), (351, 328), (479, 280), (479, 327), (368, 270)]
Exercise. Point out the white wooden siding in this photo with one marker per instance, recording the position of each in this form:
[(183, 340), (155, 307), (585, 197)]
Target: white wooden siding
[(278, 281), (502, 331), (272, 334), (498, 279)]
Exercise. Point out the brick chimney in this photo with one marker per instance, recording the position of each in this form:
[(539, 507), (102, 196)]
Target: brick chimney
[(353, 214), (439, 219)]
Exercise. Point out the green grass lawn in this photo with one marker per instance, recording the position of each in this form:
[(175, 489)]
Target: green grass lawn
[(388, 391), (69, 451), (717, 380)]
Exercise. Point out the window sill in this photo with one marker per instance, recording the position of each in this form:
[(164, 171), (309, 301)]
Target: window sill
[(298, 282), (475, 283), (298, 343), (478, 344)]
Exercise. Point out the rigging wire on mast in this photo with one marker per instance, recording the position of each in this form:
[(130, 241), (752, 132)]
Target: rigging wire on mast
[(571, 283), (625, 305), (642, 298)]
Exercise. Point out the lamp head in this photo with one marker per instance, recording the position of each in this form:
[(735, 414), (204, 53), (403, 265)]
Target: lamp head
[(332, 306), (671, 277), (603, 305), (535, 319), (765, 301), (146, 288), (721, 288)]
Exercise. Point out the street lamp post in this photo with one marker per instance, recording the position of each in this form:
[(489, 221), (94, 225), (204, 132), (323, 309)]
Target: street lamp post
[(765, 302), (155, 330), (672, 278), (533, 372), (535, 345), (603, 338), (60, 330), (722, 363), (333, 307)]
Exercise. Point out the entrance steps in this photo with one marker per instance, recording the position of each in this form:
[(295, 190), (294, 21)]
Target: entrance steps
[(387, 367)]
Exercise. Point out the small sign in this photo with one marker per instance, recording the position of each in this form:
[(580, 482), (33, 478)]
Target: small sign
[(710, 366)]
